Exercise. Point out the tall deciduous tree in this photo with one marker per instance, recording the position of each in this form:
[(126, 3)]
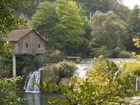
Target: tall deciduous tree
[(69, 29), (108, 31), (134, 21), (62, 23), (44, 21)]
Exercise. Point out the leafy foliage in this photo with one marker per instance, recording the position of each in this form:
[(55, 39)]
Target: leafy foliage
[(8, 92), (105, 84), (125, 54), (64, 25), (118, 53), (57, 72), (8, 20), (133, 28), (69, 29), (44, 21), (5, 49), (91, 6), (65, 69), (134, 21), (136, 41), (49, 74), (28, 63), (109, 31)]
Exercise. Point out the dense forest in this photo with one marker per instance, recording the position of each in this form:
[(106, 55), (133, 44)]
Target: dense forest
[(86, 28), (90, 27), (81, 28)]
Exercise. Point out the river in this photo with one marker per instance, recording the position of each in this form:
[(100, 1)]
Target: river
[(42, 98), (35, 98)]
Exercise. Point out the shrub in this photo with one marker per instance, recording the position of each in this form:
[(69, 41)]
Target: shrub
[(98, 51), (49, 74), (65, 69), (8, 92), (118, 53), (5, 66), (55, 72), (53, 59), (130, 68), (115, 52), (124, 54)]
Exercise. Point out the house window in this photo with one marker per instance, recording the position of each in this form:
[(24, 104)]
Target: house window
[(27, 45), (39, 46)]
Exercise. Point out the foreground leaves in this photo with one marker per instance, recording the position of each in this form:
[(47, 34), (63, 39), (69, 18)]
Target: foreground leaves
[(105, 84), (8, 92)]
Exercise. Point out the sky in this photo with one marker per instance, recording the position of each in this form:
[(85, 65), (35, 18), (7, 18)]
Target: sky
[(131, 3)]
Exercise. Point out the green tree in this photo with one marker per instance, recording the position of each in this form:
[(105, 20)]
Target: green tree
[(133, 28), (63, 24), (109, 31), (69, 29), (91, 6), (134, 21), (84, 48), (44, 21)]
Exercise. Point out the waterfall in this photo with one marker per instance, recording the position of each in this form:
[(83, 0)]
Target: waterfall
[(137, 84), (31, 79), (82, 70), (82, 67)]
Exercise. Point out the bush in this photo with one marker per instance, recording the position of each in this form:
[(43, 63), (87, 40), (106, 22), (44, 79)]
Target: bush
[(98, 51), (5, 67), (115, 52), (56, 72), (118, 53), (124, 54), (8, 92), (65, 69), (54, 59), (49, 74)]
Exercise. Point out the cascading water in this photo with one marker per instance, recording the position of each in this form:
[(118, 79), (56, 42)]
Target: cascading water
[(82, 68), (137, 87), (81, 71), (31, 80), (137, 83)]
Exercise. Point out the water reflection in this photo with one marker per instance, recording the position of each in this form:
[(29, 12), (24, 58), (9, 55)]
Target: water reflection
[(35, 99), (32, 99)]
